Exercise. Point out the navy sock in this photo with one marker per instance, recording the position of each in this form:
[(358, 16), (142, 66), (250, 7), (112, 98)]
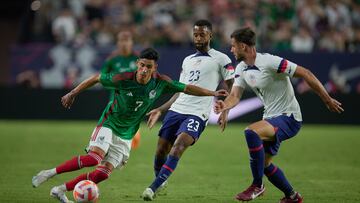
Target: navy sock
[(165, 172), (158, 162), (277, 178), (257, 156)]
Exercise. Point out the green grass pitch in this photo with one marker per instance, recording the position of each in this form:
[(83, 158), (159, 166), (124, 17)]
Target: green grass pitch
[(322, 162)]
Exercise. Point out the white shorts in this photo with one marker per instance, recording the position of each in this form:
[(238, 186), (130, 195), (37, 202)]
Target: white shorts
[(117, 150)]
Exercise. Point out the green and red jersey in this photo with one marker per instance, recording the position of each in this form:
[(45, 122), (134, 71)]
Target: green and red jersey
[(119, 64), (132, 100)]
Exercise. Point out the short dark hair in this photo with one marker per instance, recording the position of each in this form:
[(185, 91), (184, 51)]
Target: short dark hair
[(203, 23), (149, 53), (244, 35)]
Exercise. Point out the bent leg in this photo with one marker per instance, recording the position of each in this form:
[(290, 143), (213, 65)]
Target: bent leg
[(102, 172), (183, 141), (163, 149), (93, 158), (263, 129), (255, 134), (256, 151), (276, 176)]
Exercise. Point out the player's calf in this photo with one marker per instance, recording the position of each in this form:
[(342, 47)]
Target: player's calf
[(91, 159), (99, 174)]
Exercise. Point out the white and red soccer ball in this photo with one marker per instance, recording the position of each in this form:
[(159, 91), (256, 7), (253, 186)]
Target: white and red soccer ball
[(86, 191)]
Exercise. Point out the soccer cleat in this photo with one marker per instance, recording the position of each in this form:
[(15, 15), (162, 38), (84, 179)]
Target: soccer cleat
[(162, 189), (41, 177), (251, 193), (148, 194), (296, 199), (57, 193)]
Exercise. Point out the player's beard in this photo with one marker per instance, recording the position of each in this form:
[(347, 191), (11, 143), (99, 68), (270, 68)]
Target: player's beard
[(200, 46), (239, 57)]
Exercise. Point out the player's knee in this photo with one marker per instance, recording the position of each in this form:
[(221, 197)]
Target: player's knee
[(91, 159), (178, 149), (267, 162), (249, 133)]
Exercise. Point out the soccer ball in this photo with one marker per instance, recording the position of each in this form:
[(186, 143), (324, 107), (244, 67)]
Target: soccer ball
[(86, 191)]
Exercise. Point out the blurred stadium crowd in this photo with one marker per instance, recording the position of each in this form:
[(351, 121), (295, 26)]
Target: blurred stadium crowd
[(297, 25), (78, 35)]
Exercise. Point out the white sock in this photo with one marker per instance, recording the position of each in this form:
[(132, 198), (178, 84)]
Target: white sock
[(52, 172)]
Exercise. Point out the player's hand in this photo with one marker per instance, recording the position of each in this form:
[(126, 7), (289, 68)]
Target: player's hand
[(221, 93), (68, 100), (154, 116), (219, 106), (222, 121), (334, 106)]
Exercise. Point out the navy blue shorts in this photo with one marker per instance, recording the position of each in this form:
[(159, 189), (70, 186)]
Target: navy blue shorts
[(285, 127), (175, 123)]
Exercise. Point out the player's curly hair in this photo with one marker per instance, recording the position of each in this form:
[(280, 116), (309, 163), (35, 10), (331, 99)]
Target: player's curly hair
[(149, 53), (244, 35), (205, 23)]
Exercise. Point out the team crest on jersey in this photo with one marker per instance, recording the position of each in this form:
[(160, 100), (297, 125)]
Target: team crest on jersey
[(152, 94), (252, 79)]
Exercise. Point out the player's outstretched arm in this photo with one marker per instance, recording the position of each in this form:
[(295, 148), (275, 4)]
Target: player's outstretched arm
[(155, 114), (223, 107), (230, 101), (331, 103), (223, 118), (198, 91), (69, 98)]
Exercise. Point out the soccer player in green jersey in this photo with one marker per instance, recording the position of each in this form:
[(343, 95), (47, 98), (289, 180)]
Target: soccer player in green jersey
[(123, 59), (109, 147)]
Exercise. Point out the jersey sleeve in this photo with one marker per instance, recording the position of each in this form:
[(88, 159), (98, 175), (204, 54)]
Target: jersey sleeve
[(113, 80), (172, 86), (106, 67), (227, 69), (281, 65), (175, 86), (239, 77)]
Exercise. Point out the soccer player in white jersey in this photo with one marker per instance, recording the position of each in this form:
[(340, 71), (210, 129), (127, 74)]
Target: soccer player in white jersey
[(269, 77), (188, 115)]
